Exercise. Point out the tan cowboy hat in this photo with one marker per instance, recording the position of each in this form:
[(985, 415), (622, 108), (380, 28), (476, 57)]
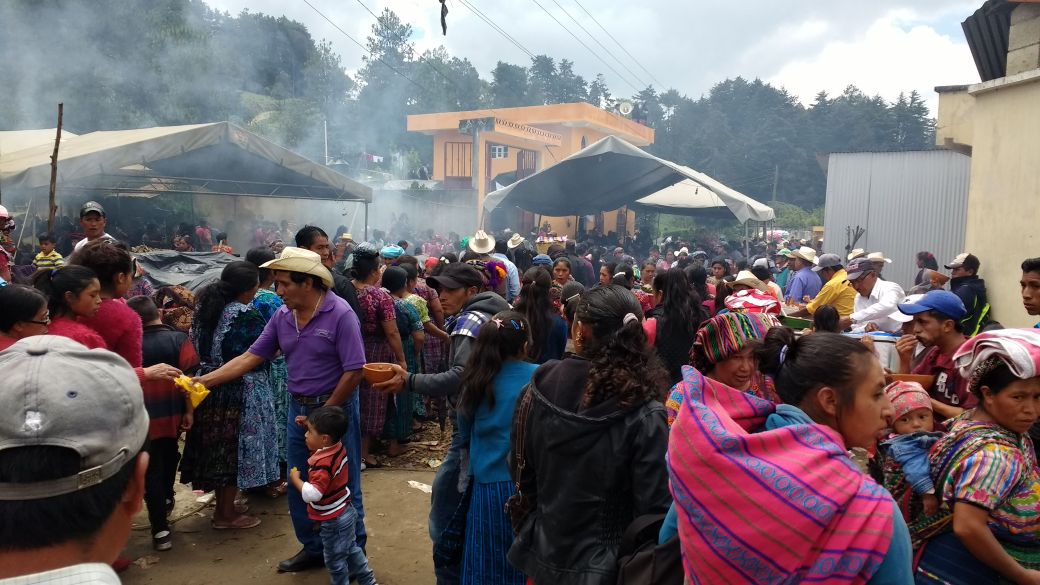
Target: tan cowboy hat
[(857, 253), (294, 259), (515, 241), (878, 257), (746, 278), (805, 253), (482, 242), (347, 238)]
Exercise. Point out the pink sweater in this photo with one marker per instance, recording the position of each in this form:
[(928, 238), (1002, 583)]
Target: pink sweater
[(121, 329)]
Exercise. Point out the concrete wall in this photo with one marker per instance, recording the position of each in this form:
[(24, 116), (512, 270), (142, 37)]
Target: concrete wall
[(1003, 211), (1024, 39)]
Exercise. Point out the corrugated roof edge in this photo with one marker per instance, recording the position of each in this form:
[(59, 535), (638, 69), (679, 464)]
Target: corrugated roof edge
[(952, 88)]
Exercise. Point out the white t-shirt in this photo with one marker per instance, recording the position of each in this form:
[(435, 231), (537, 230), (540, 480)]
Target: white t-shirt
[(83, 574), (79, 245)]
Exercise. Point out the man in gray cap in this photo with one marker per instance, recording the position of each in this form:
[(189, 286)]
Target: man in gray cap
[(93, 221), (72, 463)]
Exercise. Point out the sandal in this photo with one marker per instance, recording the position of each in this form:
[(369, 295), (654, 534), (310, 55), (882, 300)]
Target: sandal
[(239, 523), (277, 490)]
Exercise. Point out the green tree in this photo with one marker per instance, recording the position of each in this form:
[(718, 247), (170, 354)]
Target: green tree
[(599, 93), (569, 87), (509, 86), (541, 80)]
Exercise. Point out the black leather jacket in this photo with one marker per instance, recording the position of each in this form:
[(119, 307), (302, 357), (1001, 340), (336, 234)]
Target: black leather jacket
[(589, 473)]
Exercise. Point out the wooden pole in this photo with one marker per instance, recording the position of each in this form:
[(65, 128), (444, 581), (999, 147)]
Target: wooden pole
[(53, 207)]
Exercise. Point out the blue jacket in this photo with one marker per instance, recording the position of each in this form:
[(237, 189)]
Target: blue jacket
[(911, 453), (488, 431)]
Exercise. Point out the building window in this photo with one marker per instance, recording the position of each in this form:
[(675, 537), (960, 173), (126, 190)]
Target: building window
[(499, 151)]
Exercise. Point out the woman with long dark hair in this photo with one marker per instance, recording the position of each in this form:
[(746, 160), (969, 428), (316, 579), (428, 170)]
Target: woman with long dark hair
[(774, 485), (382, 342), (548, 329), (698, 279), (233, 442), (491, 384), (588, 446), (675, 321)]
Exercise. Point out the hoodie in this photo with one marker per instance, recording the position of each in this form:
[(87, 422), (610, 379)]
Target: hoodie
[(477, 311), (588, 473)]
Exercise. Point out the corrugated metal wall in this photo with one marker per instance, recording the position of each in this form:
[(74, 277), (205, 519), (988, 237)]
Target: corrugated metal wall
[(906, 201)]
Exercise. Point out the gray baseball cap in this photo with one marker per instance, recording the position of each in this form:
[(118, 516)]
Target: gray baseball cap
[(58, 393), (827, 261)]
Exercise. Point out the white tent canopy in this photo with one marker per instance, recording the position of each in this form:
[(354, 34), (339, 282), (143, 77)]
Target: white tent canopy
[(611, 173)]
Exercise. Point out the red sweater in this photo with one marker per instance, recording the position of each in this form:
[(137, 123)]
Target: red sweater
[(327, 472), (121, 329), (76, 331)]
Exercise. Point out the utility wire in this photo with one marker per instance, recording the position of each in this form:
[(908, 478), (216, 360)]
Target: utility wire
[(500, 30), (602, 46), (636, 61), (363, 47), (587, 48)]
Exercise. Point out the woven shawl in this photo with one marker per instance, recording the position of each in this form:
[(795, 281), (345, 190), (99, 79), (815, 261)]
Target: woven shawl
[(769, 506)]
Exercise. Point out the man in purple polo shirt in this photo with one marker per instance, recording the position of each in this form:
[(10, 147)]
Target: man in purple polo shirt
[(319, 334)]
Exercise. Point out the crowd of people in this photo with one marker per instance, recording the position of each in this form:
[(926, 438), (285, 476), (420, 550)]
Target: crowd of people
[(644, 416)]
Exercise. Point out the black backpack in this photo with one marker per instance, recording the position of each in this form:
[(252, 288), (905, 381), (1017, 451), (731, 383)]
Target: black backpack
[(644, 562)]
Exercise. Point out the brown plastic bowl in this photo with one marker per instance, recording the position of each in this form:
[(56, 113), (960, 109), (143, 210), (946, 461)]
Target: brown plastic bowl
[(376, 373), (925, 381)]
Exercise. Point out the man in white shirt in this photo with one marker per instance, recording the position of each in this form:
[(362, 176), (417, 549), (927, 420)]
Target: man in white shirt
[(875, 301), (93, 221), (72, 462)]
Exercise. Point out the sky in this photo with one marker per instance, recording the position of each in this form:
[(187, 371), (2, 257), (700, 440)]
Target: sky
[(883, 46)]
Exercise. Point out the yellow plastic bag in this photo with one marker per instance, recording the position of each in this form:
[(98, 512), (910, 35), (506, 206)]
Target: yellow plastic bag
[(196, 392)]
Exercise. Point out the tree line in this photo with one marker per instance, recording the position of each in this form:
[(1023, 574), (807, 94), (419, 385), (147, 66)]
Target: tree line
[(131, 63)]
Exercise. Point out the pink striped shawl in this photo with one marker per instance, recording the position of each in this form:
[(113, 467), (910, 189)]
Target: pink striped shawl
[(769, 506)]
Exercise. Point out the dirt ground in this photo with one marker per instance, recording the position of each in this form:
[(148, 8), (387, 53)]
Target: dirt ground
[(398, 543), (396, 509)]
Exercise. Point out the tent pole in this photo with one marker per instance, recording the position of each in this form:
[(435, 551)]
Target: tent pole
[(366, 221), (746, 247)]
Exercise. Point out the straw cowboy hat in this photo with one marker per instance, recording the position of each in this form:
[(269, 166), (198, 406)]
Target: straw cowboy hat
[(746, 278), (482, 242), (857, 253), (515, 241), (805, 253), (878, 257), (294, 259)]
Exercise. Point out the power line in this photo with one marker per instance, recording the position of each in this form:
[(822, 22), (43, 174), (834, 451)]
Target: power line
[(582, 27), (494, 26), (582, 43), (636, 61), (363, 47)]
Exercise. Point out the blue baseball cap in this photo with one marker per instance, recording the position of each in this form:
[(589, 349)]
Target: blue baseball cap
[(940, 301)]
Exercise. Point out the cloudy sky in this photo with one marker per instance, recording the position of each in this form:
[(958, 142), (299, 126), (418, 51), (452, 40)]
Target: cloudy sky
[(882, 46)]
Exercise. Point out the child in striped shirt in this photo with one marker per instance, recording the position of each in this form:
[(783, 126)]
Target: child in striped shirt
[(48, 258), (328, 497)]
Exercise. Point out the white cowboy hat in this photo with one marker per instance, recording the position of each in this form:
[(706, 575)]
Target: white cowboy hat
[(878, 257), (857, 253), (805, 253), (294, 259), (515, 241), (482, 242), (746, 278)]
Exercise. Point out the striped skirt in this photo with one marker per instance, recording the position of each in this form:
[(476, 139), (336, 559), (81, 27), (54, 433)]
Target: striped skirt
[(489, 535)]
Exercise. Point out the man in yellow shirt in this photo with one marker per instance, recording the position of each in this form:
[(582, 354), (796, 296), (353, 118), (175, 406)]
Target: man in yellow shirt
[(836, 290)]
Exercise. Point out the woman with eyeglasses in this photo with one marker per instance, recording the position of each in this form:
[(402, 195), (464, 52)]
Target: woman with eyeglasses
[(24, 315)]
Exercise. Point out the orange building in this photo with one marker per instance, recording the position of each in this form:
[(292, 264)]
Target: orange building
[(513, 143)]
